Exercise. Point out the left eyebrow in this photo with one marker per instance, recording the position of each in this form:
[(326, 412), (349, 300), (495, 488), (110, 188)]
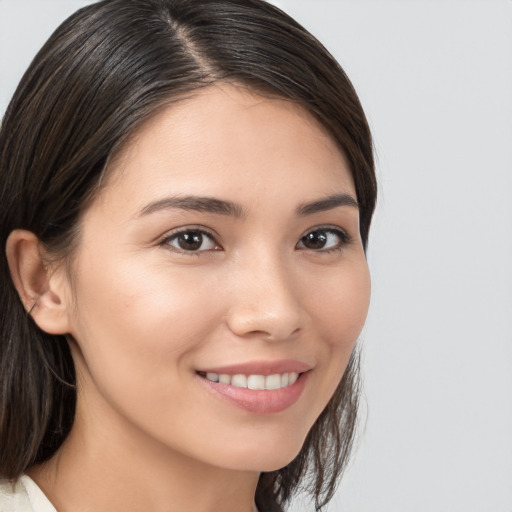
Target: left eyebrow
[(328, 203)]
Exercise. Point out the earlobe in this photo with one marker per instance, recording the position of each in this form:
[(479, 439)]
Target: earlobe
[(41, 289)]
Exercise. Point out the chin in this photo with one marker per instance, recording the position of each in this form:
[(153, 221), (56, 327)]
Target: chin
[(265, 456)]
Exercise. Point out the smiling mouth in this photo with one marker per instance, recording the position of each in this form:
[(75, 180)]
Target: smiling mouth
[(254, 382), (246, 386)]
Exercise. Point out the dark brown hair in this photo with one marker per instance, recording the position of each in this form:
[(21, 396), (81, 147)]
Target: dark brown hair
[(104, 71)]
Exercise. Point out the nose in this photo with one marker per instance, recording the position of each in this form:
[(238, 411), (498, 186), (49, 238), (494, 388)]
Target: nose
[(265, 302)]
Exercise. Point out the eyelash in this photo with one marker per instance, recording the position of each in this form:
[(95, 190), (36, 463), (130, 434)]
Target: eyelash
[(343, 236)]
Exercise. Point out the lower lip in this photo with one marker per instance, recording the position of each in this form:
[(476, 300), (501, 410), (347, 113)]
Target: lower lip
[(259, 401)]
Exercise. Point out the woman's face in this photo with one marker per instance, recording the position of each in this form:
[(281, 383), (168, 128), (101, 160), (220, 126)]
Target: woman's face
[(225, 241)]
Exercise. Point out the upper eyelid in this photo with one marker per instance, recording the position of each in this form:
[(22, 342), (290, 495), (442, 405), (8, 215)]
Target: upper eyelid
[(184, 229), (328, 227)]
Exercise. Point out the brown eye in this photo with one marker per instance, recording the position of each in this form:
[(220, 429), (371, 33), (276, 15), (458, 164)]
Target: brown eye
[(323, 240), (191, 241), (315, 240)]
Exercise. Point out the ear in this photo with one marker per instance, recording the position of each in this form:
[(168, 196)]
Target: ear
[(44, 290)]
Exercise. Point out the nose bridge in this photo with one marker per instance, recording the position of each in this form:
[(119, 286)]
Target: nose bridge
[(266, 301)]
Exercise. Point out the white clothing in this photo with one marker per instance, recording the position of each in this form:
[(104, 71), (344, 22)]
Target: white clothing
[(23, 496)]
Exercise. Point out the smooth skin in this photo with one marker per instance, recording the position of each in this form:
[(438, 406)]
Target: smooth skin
[(158, 289)]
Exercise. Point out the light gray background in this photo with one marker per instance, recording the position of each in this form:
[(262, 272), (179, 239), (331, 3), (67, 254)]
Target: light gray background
[(435, 78)]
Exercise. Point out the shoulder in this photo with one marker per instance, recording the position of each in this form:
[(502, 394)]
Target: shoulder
[(23, 495)]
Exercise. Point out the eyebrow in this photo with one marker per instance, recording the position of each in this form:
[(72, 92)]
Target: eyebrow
[(195, 203), (327, 203), (229, 208)]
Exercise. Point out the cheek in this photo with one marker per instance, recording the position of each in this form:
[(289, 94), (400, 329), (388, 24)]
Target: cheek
[(340, 308), (340, 305), (138, 328), (136, 318)]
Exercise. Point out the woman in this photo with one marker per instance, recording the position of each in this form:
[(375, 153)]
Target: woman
[(186, 188)]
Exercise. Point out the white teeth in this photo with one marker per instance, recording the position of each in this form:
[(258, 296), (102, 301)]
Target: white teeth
[(273, 382), (239, 381), (224, 378), (257, 382)]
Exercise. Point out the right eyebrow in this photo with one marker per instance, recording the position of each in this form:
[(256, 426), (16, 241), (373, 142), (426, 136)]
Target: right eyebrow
[(195, 203), (327, 203)]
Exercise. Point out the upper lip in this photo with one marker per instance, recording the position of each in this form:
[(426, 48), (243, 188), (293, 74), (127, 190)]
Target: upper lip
[(260, 367)]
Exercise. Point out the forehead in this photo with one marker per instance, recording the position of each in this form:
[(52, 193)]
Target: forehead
[(227, 140)]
